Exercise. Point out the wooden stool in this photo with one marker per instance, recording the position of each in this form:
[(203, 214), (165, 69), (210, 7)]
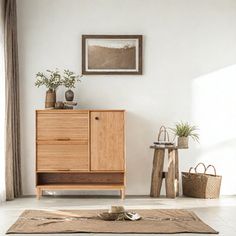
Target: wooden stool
[(171, 176)]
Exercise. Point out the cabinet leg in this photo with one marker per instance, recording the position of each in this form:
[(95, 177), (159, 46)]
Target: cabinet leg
[(38, 192), (122, 194)]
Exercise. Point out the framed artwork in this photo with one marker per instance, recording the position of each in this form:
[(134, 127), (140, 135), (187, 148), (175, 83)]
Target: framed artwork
[(111, 54)]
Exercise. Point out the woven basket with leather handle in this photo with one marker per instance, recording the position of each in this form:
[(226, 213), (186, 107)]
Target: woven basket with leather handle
[(201, 185), (163, 136)]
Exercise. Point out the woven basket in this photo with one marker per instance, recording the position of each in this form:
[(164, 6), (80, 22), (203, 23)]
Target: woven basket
[(182, 142), (201, 185)]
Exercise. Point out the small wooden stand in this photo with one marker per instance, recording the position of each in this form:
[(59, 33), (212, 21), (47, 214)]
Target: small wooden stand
[(171, 176)]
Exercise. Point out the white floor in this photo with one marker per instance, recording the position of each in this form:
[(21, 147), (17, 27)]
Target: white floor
[(219, 214)]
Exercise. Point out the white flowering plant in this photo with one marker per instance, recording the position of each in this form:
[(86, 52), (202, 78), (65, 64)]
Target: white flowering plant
[(70, 79), (52, 80)]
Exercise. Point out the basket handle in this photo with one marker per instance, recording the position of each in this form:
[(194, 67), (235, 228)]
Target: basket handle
[(166, 134), (212, 167), (200, 163), (191, 168)]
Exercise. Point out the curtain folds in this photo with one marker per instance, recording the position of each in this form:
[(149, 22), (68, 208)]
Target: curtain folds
[(13, 158), (2, 105)]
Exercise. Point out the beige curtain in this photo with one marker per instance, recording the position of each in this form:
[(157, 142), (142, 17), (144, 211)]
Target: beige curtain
[(13, 162), (2, 105)]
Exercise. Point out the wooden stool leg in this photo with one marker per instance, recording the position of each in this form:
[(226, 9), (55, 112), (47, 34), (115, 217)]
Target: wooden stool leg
[(170, 176), (158, 162), (177, 172)]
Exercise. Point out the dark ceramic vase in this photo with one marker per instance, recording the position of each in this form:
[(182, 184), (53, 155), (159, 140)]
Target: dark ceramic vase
[(69, 95)]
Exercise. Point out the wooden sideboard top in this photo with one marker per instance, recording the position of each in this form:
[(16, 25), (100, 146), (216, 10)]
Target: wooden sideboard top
[(79, 110)]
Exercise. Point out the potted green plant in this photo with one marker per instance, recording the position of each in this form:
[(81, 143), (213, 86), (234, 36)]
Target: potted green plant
[(69, 81), (51, 80), (183, 131)]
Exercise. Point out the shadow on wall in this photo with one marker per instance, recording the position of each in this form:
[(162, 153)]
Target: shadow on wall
[(137, 166), (214, 110)]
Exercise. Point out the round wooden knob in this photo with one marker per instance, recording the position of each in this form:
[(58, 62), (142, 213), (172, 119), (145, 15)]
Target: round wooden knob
[(96, 118)]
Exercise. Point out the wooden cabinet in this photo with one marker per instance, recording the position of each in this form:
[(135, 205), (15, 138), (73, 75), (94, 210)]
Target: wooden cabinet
[(80, 149)]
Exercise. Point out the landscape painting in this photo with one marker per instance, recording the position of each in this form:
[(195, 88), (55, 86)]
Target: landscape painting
[(112, 54)]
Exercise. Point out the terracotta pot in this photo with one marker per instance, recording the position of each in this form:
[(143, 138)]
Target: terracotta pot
[(50, 99), (69, 95), (182, 142)]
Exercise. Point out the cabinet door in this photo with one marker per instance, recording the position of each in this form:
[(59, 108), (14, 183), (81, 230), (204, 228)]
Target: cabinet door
[(57, 125), (107, 141), (57, 156)]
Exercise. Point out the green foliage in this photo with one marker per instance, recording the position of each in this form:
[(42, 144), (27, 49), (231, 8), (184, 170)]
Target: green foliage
[(185, 130), (52, 80), (70, 79)]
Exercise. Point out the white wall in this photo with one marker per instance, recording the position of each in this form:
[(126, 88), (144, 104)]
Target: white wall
[(189, 75)]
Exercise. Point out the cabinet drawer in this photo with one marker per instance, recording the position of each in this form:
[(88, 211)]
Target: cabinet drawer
[(62, 126), (62, 157)]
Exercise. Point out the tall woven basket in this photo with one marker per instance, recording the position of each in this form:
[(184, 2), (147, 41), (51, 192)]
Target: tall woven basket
[(201, 185)]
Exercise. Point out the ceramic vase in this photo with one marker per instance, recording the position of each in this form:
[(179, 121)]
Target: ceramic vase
[(69, 95), (50, 98)]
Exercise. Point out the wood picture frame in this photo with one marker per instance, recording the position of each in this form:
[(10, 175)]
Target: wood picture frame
[(112, 54)]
